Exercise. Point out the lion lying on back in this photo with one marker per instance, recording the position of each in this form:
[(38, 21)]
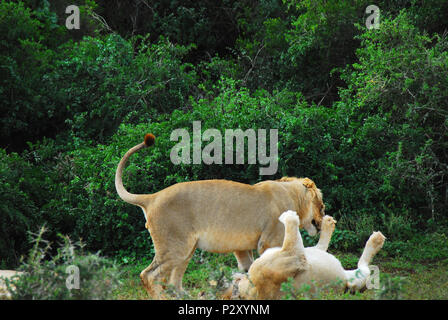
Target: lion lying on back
[(310, 266), (216, 216)]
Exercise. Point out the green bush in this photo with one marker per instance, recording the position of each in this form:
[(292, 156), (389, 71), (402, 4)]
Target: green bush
[(361, 112), (101, 81), (27, 42), (105, 222), (210, 26), (49, 86), (297, 45), (20, 191), (421, 247), (395, 112), (45, 278)]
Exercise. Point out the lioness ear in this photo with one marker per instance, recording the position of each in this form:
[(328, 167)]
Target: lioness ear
[(308, 183)]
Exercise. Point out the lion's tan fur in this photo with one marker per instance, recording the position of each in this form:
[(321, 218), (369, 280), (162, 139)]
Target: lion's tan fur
[(217, 216)]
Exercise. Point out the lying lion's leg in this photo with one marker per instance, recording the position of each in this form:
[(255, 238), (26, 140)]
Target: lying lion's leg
[(357, 279), (245, 259), (327, 228), (373, 245), (293, 242), (276, 265)]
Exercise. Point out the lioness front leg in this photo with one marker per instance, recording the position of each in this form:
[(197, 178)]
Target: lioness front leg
[(245, 259)]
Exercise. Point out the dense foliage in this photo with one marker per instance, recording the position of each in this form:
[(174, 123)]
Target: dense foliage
[(47, 277), (361, 112)]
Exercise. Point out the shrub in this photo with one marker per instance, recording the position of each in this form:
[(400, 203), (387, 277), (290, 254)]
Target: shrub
[(101, 81), (395, 112), (20, 188), (421, 247), (45, 278), (105, 222), (27, 42)]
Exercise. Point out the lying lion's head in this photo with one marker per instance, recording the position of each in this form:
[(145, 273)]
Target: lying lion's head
[(240, 288), (311, 199)]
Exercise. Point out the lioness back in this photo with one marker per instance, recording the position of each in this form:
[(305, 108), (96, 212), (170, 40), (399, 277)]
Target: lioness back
[(223, 215)]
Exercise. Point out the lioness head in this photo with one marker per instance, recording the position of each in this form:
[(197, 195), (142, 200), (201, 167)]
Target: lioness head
[(313, 205)]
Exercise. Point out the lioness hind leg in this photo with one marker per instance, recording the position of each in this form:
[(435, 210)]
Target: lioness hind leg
[(150, 279), (181, 265), (169, 265), (245, 259), (157, 276)]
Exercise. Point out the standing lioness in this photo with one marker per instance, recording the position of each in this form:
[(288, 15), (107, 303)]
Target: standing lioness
[(217, 216)]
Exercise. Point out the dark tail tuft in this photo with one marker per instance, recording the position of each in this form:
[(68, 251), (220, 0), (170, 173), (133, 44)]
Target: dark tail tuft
[(149, 139)]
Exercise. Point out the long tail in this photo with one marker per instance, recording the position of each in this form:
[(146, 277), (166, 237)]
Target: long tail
[(131, 198)]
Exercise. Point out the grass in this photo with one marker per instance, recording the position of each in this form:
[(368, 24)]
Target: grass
[(416, 269), (402, 278), (200, 279)]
